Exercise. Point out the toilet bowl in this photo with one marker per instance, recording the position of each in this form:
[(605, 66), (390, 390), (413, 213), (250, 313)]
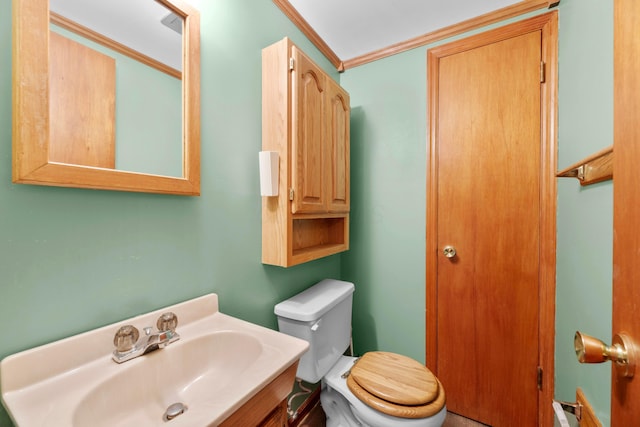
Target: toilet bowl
[(380, 389), (344, 409)]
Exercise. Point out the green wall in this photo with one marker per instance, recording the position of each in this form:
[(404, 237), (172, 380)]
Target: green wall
[(585, 214), (388, 207), (388, 179), (72, 260)]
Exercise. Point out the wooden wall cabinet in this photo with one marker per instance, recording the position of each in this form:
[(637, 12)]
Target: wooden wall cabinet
[(305, 118)]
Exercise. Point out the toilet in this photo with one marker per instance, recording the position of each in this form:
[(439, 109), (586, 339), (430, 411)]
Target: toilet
[(379, 389)]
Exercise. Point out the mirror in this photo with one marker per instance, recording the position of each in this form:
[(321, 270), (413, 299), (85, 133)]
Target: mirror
[(118, 66), (73, 140)]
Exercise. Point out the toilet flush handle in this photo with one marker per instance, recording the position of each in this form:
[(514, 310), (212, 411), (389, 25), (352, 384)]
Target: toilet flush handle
[(315, 326)]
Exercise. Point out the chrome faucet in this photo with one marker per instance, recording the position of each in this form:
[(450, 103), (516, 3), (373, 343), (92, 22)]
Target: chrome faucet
[(130, 345)]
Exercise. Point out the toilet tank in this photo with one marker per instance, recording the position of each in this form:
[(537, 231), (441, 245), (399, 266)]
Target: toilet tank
[(320, 315)]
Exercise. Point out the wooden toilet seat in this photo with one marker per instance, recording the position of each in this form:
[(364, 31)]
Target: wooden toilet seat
[(396, 385)]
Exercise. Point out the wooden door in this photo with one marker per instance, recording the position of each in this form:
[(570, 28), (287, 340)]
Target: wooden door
[(625, 393), (308, 133), (486, 186), (338, 148)]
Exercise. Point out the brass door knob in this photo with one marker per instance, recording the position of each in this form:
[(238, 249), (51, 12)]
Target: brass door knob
[(449, 251), (621, 352)]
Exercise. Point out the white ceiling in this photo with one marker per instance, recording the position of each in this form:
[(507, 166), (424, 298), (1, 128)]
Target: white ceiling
[(352, 28)]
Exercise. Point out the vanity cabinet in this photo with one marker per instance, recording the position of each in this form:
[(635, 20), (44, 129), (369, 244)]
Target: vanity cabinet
[(278, 417), (305, 119), (268, 407)]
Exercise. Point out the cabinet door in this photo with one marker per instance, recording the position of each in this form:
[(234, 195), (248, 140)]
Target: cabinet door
[(277, 418), (308, 83), (337, 131)]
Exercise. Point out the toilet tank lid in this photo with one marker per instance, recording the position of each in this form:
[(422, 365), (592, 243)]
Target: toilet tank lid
[(314, 302)]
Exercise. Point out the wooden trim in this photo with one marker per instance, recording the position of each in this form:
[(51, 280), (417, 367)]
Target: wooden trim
[(431, 262), (535, 23), (520, 8), (588, 415), (191, 120), (450, 31), (548, 25), (30, 81), (306, 29), (548, 210), (96, 37)]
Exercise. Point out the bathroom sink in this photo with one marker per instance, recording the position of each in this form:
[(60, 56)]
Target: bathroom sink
[(197, 372), (217, 365)]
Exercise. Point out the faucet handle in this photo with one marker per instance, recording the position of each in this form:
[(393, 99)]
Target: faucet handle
[(167, 322), (126, 338)]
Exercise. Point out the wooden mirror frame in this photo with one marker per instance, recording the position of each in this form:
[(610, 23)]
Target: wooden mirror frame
[(30, 67)]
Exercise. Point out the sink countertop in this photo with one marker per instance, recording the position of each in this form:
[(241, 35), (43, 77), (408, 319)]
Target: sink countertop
[(43, 386)]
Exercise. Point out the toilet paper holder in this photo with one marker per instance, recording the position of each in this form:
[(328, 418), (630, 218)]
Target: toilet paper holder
[(581, 410), (574, 409)]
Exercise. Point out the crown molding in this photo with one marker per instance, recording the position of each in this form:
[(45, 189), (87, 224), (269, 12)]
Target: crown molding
[(520, 8)]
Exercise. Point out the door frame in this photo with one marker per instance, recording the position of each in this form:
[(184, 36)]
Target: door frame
[(626, 213), (547, 24)]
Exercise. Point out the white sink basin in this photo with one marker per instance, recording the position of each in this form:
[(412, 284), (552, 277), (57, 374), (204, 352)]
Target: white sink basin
[(194, 373), (216, 366)]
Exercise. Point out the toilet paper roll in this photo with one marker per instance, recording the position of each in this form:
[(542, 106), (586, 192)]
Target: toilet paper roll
[(562, 417)]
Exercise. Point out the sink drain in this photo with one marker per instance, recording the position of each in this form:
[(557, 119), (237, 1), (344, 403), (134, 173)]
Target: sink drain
[(174, 410)]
